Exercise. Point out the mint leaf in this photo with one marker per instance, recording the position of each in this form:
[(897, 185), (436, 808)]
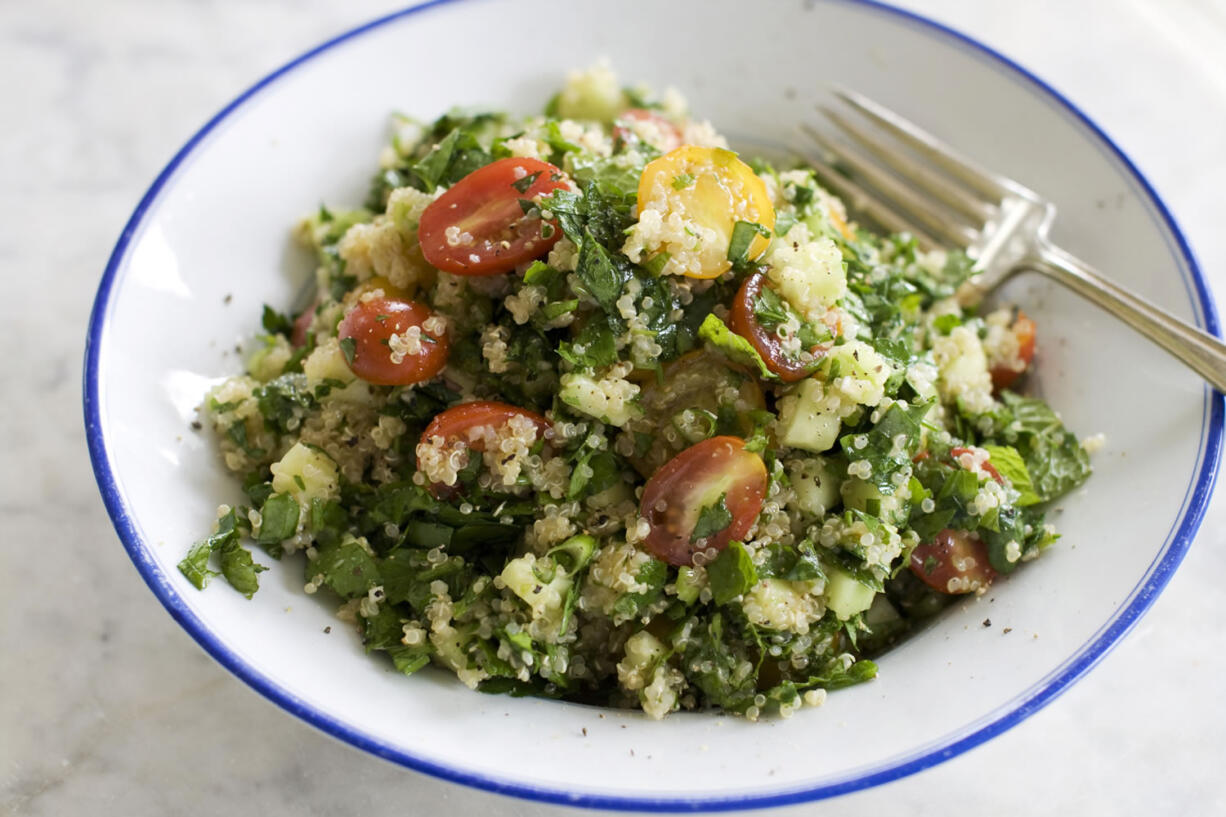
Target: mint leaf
[(732, 573), (1010, 465), (719, 337), (1054, 458)]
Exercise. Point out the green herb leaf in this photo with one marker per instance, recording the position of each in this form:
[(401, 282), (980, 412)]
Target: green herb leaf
[(946, 323), (717, 335), (879, 449), (420, 533), (240, 569), (653, 574), (279, 519), (732, 573), (712, 519), (348, 569), (602, 273), (432, 167), (1010, 465), (276, 323), (743, 234), (594, 347), (1054, 458), (348, 348), (524, 184), (769, 309), (409, 660), (655, 265), (225, 542), (196, 565)]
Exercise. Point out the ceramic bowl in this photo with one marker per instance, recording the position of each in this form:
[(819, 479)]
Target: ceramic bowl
[(209, 243)]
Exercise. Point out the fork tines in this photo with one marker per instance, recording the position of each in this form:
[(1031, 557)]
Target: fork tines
[(902, 177)]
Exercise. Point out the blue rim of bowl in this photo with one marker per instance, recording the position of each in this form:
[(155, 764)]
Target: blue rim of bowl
[(1142, 598)]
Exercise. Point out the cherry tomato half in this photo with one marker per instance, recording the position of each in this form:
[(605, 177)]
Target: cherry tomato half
[(391, 345), (478, 226), (768, 344), (954, 562), (1004, 375), (695, 479), (464, 426), (665, 135), (714, 189)]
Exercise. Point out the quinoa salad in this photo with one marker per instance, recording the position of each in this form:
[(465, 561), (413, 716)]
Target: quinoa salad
[(585, 405)]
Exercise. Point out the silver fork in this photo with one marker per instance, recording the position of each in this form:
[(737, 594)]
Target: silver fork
[(922, 186)]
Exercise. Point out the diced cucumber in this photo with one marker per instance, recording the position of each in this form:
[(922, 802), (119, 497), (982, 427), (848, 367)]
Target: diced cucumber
[(327, 362), (688, 586), (845, 595), (545, 598), (807, 420), (858, 371), (815, 482), (610, 400), (807, 271), (327, 365), (643, 650), (305, 473), (779, 604), (864, 496), (269, 360)]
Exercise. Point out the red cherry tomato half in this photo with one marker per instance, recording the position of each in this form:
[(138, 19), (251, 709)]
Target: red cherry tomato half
[(478, 226), (768, 344), (694, 479), (464, 426), (668, 136), (413, 355), (954, 562), (1004, 375), (987, 464), (457, 421)]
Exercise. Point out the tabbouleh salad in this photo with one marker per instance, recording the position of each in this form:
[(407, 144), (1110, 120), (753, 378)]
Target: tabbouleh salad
[(587, 406)]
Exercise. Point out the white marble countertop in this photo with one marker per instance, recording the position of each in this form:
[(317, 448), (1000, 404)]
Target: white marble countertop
[(107, 707)]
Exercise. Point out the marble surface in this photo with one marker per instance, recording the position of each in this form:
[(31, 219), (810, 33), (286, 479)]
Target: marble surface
[(107, 707)]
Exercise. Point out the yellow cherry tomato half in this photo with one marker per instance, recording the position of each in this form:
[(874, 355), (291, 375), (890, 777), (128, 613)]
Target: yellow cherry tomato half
[(698, 194)]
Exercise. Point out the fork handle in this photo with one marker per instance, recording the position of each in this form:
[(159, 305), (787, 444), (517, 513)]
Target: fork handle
[(1200, 351)]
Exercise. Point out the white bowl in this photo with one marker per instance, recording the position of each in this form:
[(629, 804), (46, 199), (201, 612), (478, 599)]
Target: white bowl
[(209, 244)]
